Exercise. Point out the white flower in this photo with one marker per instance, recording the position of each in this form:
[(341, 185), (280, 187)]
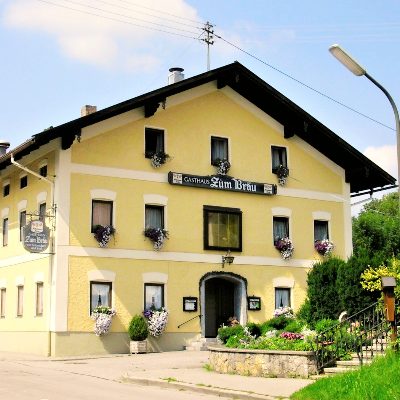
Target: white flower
[(102, 317), (157, 322)]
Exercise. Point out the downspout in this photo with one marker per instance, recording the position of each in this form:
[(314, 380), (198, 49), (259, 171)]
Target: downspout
[(52, 249)]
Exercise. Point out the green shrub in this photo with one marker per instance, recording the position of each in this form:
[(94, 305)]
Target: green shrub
[(234, 340), (278, 343), (277, 323), (226, 332), (304, 313), (254, 329), (324, 324), (138, 329), (294, 326)]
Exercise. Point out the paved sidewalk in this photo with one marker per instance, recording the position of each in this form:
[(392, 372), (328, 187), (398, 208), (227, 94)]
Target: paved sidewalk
[(181, 370)]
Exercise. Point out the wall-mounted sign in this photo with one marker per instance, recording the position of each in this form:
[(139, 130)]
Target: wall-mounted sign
[(221, 182), (253, 303), (35, 236), (190, 304)]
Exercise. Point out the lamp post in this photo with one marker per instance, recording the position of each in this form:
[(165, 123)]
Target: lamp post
[(358, 70)]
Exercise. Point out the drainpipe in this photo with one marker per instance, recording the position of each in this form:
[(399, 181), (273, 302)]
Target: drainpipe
[(52, 250)]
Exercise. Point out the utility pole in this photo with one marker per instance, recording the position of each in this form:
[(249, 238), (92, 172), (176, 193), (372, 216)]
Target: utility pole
[(209, 40)]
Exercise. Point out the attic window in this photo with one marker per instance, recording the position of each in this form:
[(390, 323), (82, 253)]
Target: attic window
[(154, 141), (43, 170), (279, 157), (6, 190), (23, 181), (219, 149)]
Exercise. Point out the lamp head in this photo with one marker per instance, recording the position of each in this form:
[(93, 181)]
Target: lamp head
[(347, 60)]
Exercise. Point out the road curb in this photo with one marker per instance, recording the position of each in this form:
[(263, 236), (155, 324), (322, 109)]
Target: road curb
[(198, 388)]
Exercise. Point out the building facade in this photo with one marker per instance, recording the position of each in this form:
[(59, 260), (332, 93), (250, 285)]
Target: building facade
[(246, 167)]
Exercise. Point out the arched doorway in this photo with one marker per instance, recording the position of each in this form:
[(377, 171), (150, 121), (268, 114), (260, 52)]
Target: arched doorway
[(222, 295)]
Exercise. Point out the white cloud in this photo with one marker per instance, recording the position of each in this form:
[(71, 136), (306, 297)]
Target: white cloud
[(103, 41), (385, 156)]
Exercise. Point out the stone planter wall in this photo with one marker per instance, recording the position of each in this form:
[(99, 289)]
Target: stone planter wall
[(266, 363)]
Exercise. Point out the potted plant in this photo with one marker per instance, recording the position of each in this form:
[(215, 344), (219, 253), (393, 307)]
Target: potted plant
[(157, 236), (282, 173), (324, 247), (102, 315), (103, 234), (285, 246), (157, 320), (138, 332), (223, 166), (159, 158)]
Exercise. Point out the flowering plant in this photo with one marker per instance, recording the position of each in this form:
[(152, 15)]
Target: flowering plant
[(285, 311), (291, 336), (157, 321), (102, 315), (285, 246), (103, 234), (324, 246), (282, 173), (159, 158), (157, 236), (223, 166)]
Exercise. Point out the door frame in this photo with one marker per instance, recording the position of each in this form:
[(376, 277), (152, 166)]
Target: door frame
[(240, 296)]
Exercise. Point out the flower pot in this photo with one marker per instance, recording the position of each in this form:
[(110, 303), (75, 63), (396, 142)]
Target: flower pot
[(138, 346)]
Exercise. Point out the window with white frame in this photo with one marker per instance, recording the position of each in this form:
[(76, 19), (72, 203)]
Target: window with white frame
[(153, 296), (280, 228), (154, 216), (42, 212), (102, 213), (282, 297), (154, 141), (3, 293), (22, 223), (39, 299), (100, 294), (279, 157), (219, 149), (5, 232), (321, 230), (6, 190), (20, 300)]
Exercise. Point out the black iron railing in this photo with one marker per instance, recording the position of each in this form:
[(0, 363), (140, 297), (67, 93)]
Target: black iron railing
[(364, 334), (191, 319)]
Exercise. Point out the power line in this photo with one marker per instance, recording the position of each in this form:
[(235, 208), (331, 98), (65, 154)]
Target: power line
[(302, 83), (126, 16), (119, 20)]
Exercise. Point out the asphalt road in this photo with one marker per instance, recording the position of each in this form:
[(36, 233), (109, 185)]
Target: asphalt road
[(26, 380)]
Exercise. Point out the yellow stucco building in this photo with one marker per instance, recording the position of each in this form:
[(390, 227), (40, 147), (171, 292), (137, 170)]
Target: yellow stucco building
[(281, 174)]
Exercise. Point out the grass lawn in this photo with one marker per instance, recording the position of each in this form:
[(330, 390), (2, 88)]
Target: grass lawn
[(378, 381)]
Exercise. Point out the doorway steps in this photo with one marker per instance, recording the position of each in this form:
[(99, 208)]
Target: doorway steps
[(200, 344)]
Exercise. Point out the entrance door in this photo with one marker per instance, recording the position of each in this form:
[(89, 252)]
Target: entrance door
[(219, 304)]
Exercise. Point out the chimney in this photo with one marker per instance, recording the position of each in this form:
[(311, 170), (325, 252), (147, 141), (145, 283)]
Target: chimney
[(4, 145), (86, 110), (176, 75)]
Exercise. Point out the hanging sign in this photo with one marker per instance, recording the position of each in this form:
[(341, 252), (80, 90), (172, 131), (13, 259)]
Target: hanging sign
[(35, 236), (221, 182)]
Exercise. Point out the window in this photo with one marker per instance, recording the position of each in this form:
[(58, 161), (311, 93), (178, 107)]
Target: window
[(43, 170), (39, 299), (222, 228), (278, 155), (153, 296), (2, 303), (5, 231), (219, 149), (321, 230), (154, 141), (281, 228), (154, 217), (23, 181), (282, 297), (100, 294), (42, 212), (102, 211), (20, 301), (22, 223), (6, 190)]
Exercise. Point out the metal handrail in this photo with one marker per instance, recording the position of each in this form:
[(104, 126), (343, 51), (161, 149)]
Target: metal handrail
[(183, 323)]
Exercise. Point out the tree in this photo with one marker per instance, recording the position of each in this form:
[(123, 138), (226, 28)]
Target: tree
[(377, 229)]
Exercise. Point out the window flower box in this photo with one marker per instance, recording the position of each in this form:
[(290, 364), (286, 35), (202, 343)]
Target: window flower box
[(324, 247), (102, 315), (158, 159), (157, 321), (223, 166), (282, 174), (285, 247), (103, 234), (157, 236)]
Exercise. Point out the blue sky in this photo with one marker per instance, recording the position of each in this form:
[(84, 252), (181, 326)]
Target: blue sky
[(56, 59)]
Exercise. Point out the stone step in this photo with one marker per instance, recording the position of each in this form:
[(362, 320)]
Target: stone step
[(200, 344), (338, 370), (352, 363)]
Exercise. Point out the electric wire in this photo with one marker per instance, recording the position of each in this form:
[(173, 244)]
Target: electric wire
[(118, 20), (302, 83), (128, 17)]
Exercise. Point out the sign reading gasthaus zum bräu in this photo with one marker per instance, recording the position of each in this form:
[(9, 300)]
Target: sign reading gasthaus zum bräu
[(35, 236)]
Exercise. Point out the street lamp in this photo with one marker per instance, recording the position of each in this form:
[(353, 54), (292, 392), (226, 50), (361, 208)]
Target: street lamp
[(358, 70)]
